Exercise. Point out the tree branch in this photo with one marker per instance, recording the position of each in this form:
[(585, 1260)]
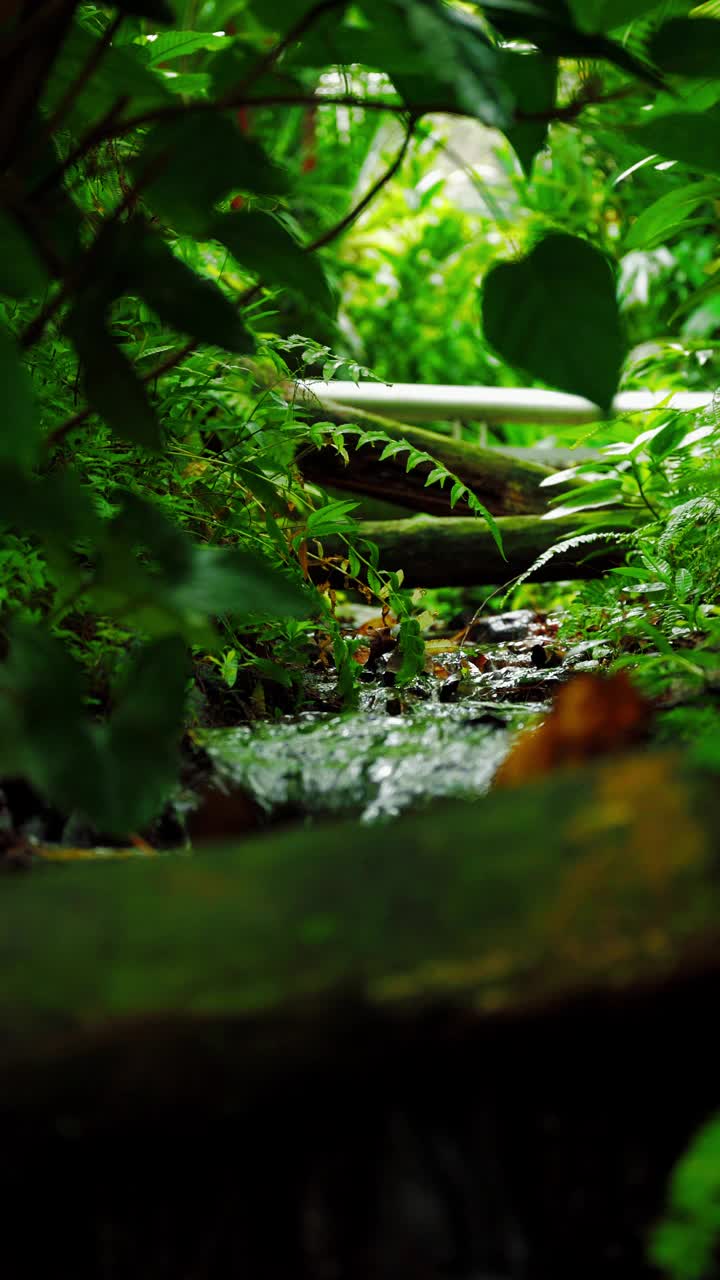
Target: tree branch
[(333, 232)]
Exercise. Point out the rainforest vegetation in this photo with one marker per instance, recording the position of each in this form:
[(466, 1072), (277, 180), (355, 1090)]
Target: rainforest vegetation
[(212, 214)]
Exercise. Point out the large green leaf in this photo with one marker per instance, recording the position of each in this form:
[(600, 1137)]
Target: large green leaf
[(112, 386), (196, 161), (19, 423), (670, 214), (533, 80), (187, 301), (554, 314), (685, 136), (120, 74), (687, 47), (22, 273), (266, 247), (179, 44)]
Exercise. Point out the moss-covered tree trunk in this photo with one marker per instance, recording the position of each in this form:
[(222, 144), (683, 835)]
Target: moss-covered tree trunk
[(470, 1042), (506, 486), (438, 552)]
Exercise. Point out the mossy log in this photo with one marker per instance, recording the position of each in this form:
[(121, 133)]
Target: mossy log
[(505, 485), (482, 1032), (438, 552)]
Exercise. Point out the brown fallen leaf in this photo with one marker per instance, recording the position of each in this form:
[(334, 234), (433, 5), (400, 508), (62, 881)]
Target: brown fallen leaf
[(592, 715)]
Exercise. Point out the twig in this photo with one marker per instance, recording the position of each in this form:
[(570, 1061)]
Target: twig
[(295, 33), (333, 232)]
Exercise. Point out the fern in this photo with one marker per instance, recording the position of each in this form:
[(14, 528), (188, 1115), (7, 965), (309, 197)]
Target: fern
[(570, 544), (438, 474)]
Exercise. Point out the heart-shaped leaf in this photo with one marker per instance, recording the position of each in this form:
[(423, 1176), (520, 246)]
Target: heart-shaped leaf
[(554, 314)]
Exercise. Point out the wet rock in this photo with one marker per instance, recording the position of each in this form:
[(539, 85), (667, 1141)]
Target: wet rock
[(450, 689)]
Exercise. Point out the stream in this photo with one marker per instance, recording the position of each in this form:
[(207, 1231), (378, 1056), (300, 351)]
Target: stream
[(443, 736)]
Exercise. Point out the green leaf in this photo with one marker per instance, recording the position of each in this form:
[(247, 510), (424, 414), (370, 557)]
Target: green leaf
[(533, 81), (555, 315), (194, 162), (685, 136), (687, 47), (19, 425), (263, 245), (684, 1245), (112, 387), (187, 301), (334, 517), (22, 273), (670, 214), (598, 494), (179, 44)]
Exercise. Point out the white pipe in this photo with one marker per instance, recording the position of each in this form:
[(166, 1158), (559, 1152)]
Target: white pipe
[(417, 403)]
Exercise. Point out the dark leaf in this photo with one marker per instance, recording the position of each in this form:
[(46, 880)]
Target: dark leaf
[(22, 273), (19, 424), (687, 47), (551, 27), (455, 64), (55, 508), (533, 80), (120, 74), (45, 735), (187, 301), (141, 742), (238, 583), (159, 10), (686, 136), (555, 315), (196, 161), (112, 386), (263, 245)]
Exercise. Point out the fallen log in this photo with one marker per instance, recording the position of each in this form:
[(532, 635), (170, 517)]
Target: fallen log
[(505, 485), (439, 552), (260, 1061)]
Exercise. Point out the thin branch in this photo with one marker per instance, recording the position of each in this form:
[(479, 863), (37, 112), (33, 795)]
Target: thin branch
[(333, 232), (302, 26)]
